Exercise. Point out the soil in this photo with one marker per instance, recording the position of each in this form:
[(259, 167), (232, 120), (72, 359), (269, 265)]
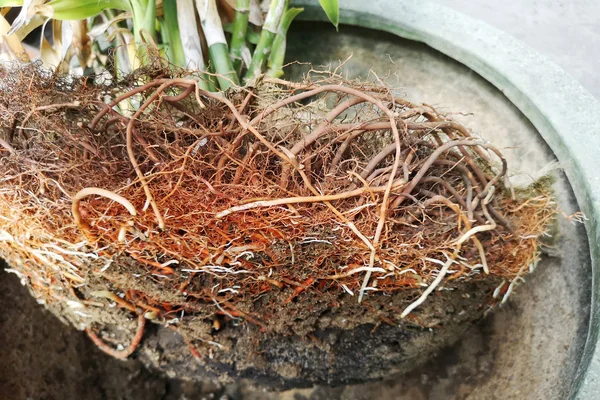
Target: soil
[(348, 344), (45, 359), (328, 339)]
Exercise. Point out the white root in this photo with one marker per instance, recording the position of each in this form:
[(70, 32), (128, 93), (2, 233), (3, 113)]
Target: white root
[(482, 228), (296, 200), (512, 284), (357, 270), (430, 289), (498, 289), (93, 191)]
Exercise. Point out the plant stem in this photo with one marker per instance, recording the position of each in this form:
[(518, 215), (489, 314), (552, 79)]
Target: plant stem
[(219, 57), (240, 27), (144, 24), (190, 39), (278, 48), (11, 44), (170, 25), (211, 79), (123, 63), (217, 45), (269, 30)]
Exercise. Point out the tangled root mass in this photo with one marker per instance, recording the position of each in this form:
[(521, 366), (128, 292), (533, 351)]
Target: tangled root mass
[(182, 199)]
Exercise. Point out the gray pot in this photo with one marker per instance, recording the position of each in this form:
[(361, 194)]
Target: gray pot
[(566, 116)]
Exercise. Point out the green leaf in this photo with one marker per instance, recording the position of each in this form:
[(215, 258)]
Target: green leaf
[(287, 19), (11, 3), (228, 27), (252, 36), (81, 9), (332, 9), (277, 56)]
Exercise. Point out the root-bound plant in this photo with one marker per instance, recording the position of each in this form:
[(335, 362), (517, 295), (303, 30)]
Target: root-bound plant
[(285, 230)]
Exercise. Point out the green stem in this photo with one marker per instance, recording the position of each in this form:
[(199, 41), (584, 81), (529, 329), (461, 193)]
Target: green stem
[(144, 23), (277, 56), (211, 80), (269, 31), (238, 37), (217, 45), (170, 25), (219, 58)]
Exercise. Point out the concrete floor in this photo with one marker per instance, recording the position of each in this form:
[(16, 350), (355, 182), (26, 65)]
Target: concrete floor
[(567, 32)]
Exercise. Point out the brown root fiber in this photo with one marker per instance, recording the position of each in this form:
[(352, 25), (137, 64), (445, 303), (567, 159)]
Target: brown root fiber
[(207, 211)]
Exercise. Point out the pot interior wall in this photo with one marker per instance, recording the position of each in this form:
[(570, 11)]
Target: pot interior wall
[(529, 348)]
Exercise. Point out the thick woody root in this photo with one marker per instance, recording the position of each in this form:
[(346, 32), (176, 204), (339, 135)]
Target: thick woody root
[(305, 188)]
